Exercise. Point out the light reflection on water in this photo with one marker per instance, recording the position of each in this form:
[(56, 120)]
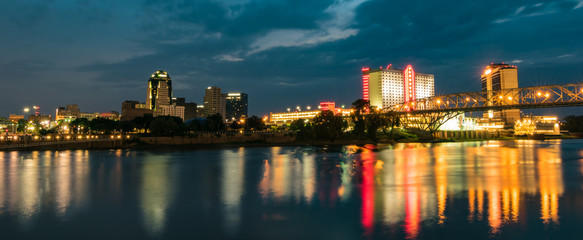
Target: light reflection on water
[(403, 191)]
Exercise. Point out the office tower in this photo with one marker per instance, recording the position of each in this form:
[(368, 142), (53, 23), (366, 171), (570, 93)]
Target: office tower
[(159, 90), (214, 102), (390, 86), (236, 106), (499, 76), (189, 108)]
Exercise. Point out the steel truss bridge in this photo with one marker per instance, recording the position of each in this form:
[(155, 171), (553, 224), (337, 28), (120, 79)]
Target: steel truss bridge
[(549, 96)]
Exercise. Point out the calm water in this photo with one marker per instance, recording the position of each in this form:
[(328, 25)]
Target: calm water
[(496, 189)]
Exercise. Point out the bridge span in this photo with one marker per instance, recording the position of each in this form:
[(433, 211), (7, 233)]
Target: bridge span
[(548, 96)]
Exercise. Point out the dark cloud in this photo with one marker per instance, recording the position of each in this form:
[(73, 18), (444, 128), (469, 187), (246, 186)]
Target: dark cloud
[(281, 52)]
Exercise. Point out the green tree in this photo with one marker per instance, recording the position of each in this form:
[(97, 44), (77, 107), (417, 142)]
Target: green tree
[(21, 126), (214, 123), (143, 123), (79, 125), (103, 125), (254, 123), (304, 129), (167, 126), (358, 116), (235, 125), (329, 126)]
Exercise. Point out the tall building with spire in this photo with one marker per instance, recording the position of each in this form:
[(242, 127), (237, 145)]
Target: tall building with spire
[(159, 90)]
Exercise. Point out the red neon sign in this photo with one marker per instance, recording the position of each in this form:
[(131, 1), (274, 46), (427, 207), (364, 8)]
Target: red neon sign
[(409, 84), (365, 79)]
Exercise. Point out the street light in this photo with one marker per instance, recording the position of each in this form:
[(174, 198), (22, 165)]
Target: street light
[(308, 108), (288, 109)]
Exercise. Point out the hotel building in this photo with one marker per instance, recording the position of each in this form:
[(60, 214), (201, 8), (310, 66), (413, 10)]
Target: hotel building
[(236, 106), (385, 87), (498, 76)]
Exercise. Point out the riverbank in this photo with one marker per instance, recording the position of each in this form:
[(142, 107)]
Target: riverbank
[(215, 142)]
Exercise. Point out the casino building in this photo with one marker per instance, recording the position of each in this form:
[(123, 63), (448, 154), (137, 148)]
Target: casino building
[(385, 87)]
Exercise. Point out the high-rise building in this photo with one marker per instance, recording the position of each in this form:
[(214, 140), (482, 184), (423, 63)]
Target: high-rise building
[(498, 76), (189, 108), (214, 102), (390, 86), (159, 90), (236, 106)]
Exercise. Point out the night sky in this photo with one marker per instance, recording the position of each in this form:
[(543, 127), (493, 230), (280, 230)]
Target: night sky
[(98, 53)]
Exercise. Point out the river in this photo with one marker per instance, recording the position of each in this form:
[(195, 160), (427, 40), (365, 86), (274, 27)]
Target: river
[(523, 189)]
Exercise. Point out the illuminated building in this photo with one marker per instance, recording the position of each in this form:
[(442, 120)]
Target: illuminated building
[(112, 115), (288, 117), (40, 118), (159, 90), (498, 76), (236, 106), (70, 112), (391, 86), (330, 106), (15, 117), (544, 125), (170, 110), (134, 109), (214, 102)]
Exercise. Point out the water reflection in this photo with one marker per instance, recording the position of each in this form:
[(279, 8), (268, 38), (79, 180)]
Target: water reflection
[(233, 170), (401, 191), (34, 179), (157, 192), (287, 176), (417, 180)]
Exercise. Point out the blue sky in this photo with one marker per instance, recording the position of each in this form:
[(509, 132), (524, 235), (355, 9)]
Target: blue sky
[(98, 53)]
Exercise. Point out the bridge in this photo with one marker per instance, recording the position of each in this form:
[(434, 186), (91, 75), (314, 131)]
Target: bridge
[(517, 98)]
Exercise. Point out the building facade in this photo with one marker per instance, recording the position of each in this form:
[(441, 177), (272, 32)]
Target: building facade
[(159, 90), (498, 76), (70, 112), (390, 86), (214, 102), (134, 109), (236, 106), (189, 108)]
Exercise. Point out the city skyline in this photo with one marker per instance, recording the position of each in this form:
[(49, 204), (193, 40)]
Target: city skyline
[(98, 53)]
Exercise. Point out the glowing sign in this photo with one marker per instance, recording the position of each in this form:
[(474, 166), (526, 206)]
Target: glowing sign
[(365, 79), (409, 84), (364, 69)]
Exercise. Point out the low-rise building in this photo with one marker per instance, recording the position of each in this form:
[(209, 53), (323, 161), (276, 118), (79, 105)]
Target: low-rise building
[(133, 109)]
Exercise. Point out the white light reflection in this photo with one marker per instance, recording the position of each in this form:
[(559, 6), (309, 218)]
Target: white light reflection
[(156, 192)]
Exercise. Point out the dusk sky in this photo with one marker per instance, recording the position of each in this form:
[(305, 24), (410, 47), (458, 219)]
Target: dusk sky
[(98, 53)]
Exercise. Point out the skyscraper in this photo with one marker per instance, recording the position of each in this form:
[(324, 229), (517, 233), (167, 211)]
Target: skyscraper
[(159, 90), (391, 86), (498, 76), (236, 106), (214, 102)]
